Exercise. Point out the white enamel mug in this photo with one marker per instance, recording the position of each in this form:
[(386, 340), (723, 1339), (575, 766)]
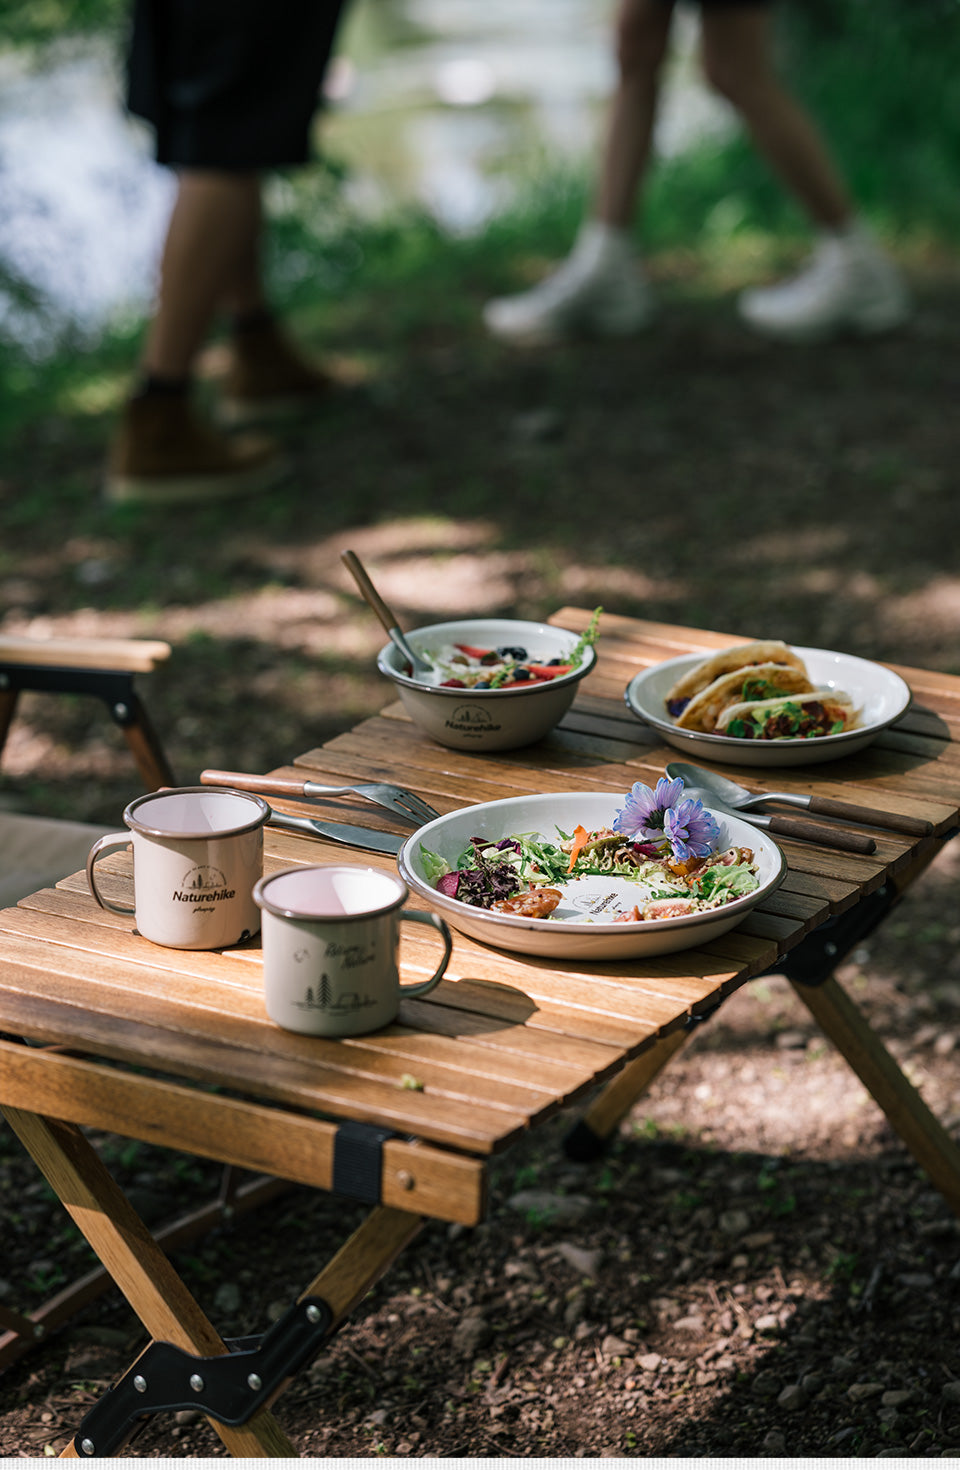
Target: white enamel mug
[(197, 853), (330, 939)]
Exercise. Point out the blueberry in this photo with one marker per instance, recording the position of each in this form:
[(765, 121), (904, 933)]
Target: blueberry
[(522, 674), (517, 653)]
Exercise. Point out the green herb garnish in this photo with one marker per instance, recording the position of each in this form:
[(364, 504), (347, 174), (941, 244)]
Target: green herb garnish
[(586, 640)]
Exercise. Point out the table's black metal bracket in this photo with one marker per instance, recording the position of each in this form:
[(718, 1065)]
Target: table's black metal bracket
[(696, 1018), (358, 1161), (230, 1388), (815, 958), (114, 687)]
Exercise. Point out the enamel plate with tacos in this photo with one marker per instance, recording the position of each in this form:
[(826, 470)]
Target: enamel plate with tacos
[(767, 703), (759, 691)]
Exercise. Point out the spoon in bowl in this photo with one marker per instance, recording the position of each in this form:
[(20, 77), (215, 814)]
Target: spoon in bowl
[(370, 595)]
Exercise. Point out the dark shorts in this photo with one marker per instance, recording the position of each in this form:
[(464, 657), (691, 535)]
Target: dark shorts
[(230, 84)]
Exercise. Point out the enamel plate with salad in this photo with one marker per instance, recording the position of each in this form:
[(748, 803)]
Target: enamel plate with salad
[(591, 875)]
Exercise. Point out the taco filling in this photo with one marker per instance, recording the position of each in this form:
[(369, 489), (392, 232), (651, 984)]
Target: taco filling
[(800, 718), (758, 681)]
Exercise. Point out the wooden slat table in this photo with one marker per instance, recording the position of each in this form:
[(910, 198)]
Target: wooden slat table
[(503, 1043)]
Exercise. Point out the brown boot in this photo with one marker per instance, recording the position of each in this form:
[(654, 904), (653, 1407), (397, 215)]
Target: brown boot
[(268, 380), (163, 452)]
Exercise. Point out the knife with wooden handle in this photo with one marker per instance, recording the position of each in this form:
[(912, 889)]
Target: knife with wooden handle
[(806, 831), (822, 833)]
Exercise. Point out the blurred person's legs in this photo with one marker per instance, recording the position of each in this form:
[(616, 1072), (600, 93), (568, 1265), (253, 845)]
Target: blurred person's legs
[(850, 283), (231, 93), (164, 450), (599, 289)]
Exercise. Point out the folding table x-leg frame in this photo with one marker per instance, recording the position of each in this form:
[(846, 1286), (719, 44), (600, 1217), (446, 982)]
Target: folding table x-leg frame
[(188, 1363), (809, 968)]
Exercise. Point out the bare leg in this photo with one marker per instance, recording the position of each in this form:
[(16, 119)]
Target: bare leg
[(642, 34), (738, 63), (599, 290), (210, 258), (849, 285)]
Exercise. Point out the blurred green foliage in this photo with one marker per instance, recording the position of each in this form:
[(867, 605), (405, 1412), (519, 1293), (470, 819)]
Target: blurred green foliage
[(881, 75), (37, 22)]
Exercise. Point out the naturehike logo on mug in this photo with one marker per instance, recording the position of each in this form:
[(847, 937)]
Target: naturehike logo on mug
[(203, 885)]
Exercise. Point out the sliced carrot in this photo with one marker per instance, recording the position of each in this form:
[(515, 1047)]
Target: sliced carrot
[(580, 836)]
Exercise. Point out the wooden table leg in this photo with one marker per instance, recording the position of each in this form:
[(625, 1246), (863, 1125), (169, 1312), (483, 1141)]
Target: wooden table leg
[(145, 746), (8, 704), (930, 1144), (136, 1263), (588, 1136), (363, 1259)]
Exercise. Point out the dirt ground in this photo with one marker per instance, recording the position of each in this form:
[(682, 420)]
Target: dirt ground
[(756, 1268)]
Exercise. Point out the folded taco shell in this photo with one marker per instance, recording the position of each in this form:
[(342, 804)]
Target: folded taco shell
[(755, 681), (725, 661)]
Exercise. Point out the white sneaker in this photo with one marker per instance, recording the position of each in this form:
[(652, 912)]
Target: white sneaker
[(598, 291), (850, 285)]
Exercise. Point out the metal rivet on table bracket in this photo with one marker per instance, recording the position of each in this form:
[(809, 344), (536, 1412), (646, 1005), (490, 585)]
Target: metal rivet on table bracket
[(313, 1314), (88, 1446), (121, 711), (254, 1381), (830, 948), (405, 1179), (140, 1383), (196, 1383)]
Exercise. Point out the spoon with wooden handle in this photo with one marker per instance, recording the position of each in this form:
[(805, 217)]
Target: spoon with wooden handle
[(370, 595)]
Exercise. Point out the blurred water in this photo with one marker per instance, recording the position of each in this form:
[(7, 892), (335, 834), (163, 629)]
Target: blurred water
[(445, 103)]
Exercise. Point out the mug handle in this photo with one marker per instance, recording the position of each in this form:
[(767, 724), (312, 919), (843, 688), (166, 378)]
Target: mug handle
[(416, 917), (110, 842)]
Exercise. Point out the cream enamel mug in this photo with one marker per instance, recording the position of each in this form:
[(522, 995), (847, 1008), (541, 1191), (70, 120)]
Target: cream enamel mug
[(330, 939), (197, 853)]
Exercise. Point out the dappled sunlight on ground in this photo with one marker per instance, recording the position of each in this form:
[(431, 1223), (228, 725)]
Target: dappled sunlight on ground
[(593, 582), (931, 612)]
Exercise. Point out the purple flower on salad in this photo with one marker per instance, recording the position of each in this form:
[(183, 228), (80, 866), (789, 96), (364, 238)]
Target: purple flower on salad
[(665, 815), (642, 815), (691, 829)]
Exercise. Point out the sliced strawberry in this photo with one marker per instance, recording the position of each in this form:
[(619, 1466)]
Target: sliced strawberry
[(548, 671), (453, 684), (473, 652)]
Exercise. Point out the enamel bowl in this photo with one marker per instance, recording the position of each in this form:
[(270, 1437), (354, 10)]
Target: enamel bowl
[(578, 930), (488, 719)]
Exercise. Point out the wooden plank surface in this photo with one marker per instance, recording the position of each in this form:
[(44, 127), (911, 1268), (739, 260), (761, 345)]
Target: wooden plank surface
[(505, 1039), (132, 655)]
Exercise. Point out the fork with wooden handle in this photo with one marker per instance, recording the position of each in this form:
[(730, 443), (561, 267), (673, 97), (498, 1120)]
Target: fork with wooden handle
[(395, 799)]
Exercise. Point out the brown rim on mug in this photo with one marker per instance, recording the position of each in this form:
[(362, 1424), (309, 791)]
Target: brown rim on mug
[(306, 915), (263, 811)]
